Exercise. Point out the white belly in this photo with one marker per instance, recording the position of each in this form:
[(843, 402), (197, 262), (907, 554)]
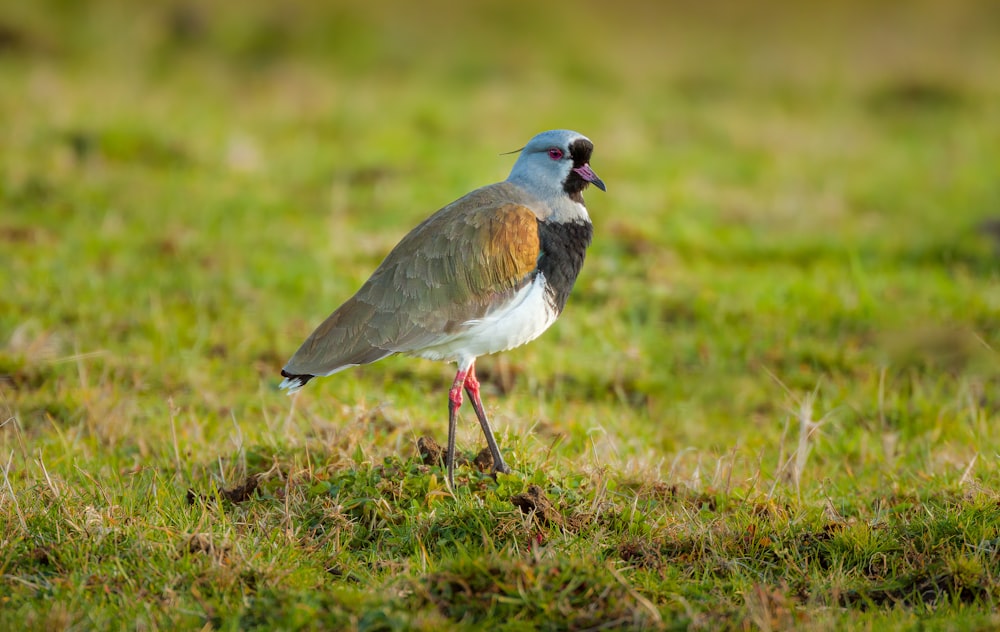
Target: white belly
[(521, 320)]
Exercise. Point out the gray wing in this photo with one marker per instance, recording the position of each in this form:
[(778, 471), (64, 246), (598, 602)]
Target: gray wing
[(454, 267)]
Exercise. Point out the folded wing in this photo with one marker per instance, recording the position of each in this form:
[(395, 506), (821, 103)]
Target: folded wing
[(458, 265)]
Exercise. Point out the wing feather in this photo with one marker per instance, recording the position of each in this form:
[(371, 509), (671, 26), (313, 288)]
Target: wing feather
[(456, 266)]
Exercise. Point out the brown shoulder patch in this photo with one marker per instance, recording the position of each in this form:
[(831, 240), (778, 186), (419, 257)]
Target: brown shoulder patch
[(512, 245)]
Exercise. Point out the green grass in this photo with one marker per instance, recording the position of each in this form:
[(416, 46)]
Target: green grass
[(770, 404)]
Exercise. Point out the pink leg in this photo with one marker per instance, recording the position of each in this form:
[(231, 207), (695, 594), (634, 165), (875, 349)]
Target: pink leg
[(461, 378), (454, 402), (471, 382), (472, 388)]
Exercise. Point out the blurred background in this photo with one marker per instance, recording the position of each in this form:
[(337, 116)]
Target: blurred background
[(802, 190)]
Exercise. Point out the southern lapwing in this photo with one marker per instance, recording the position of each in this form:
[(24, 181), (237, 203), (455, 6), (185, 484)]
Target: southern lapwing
[(489, 272)]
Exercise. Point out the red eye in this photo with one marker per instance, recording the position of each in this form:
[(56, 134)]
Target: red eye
[(555, 153)]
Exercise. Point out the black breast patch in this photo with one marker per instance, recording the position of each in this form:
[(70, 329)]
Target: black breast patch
[(563, 248)]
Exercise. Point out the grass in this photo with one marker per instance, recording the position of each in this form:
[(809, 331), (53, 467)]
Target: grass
[(769, 405)]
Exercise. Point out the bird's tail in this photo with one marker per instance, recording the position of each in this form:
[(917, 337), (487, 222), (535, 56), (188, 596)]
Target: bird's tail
[(293, 382)]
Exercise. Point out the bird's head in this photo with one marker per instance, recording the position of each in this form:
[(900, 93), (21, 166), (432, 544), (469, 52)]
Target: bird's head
[(555, 163)]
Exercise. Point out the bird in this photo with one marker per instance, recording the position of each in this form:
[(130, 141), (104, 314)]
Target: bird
[(489, 272)]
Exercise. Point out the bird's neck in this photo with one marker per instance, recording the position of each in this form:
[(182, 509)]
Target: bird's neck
[(568, 209)]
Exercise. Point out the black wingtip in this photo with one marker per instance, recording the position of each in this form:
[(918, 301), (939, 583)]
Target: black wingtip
[(294, 382)]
